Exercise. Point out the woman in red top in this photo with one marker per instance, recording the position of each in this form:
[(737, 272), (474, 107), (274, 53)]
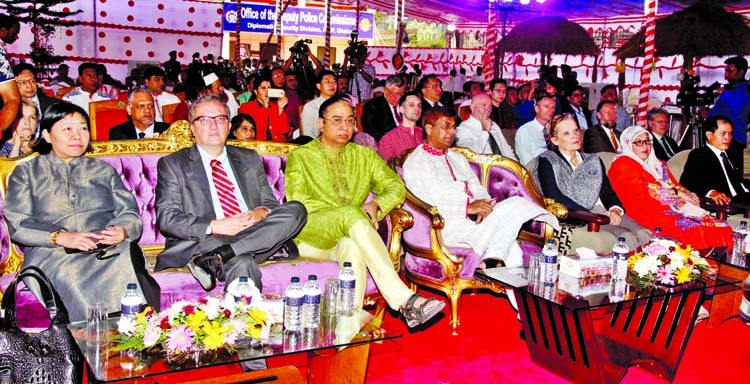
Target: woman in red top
[(270, 118)]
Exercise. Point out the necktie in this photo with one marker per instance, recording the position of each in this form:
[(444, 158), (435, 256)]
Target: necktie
[(493, 145), (667, 148), (730, 172), (141, 135), (225, 189), (399, 119), (614, 140)]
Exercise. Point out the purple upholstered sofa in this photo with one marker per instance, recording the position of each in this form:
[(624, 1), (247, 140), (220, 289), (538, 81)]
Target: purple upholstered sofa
[(136, 162), (428, 261)]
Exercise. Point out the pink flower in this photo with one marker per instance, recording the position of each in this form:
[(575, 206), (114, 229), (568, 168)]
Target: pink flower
[(657, 250), (665, 275), (180, 339)]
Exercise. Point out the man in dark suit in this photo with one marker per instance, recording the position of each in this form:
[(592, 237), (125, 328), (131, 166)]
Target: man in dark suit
[(664, 146), (217, 230), (603, 137), (709, 171), (380, 114), (575, 106), (28, 88), (142, 124)]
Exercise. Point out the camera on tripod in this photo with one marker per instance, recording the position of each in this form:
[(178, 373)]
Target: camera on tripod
[(299, 49), (356, 48), (691, 95)]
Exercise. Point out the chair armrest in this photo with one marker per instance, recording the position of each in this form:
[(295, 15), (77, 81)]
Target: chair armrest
[(741, 208), (722, 211), (594, 220), (400, 221), (440, 251)]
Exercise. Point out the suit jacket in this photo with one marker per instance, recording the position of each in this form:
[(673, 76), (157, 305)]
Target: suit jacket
[(127, 131), (567, 108), (596, 140), (184, 207), (377, 118), (426, 107), (660, 151), (703, 173), (45, 101)]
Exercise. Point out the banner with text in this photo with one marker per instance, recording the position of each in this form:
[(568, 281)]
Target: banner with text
[(297, 21)]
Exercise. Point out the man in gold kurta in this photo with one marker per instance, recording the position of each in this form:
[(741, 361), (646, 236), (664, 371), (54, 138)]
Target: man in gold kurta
[(333, 179)]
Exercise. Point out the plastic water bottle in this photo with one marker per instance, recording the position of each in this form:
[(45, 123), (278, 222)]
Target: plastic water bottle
[(347, 282), (656, 235), (294, 297), (243, 290), (311, 306), (131, 303), (739, 240), (620, 259), (549, 267)]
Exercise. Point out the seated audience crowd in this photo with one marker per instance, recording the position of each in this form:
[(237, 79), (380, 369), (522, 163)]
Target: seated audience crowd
[(222, 221)]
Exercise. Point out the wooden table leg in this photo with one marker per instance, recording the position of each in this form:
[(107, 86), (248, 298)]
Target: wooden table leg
[(726, 305), (348, 366), (651, 332), (564, 342)]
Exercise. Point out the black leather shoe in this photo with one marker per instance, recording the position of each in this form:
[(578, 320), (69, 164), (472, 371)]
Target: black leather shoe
[(209, 263), (205, 279)]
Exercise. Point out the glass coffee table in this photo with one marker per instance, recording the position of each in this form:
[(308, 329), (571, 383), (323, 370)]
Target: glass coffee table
[(593, 333), (340, 341)]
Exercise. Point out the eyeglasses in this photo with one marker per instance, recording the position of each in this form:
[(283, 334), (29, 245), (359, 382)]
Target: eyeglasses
[(436, 86), (337, 121), (26, 82), (577, 95), (142, 107), (206, 120), (641, 143)]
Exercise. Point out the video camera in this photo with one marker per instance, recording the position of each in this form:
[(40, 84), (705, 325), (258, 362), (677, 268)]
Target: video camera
[(301, 47), (355, 48), (691, 95)]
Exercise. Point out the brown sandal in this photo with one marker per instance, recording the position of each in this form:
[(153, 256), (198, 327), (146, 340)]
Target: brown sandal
[(416, 315)]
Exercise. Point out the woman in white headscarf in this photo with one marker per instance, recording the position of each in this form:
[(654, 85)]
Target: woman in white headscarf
[(653, 197)]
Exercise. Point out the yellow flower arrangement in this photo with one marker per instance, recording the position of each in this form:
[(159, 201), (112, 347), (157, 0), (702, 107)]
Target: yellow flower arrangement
[(665, 262), (207, 324)]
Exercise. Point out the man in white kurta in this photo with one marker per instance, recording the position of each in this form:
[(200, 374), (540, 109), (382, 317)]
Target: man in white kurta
[(443, 178), (479, 133)]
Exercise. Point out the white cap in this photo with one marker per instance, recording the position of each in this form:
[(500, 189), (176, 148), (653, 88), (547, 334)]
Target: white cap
[(377, 89), (210, 78)]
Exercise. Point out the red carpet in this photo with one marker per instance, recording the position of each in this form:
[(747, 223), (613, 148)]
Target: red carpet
[(488, 350)]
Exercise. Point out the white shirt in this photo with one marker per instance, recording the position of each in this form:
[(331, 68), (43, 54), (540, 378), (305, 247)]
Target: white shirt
[(718, 152), (471, 135), (82, 98), (612, 138), (149, 132), (309, 117), (232, 104), (530, 141), (165, 98), (206, 159), (582, 123)]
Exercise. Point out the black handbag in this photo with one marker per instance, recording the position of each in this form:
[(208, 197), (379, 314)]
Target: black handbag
[(50, 356)]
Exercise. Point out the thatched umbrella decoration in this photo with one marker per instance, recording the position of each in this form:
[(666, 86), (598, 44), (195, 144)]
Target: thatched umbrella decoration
[(700, 30)]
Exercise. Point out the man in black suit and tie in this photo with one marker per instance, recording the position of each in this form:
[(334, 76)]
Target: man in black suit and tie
[(664, 146), (709, 171), (380, 114), (215, 206), (142, 124), (576, 107), (603, 137), (28, 88)]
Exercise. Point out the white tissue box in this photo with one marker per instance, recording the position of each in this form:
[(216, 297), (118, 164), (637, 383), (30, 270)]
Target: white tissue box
[(575, 266), (583, 287)]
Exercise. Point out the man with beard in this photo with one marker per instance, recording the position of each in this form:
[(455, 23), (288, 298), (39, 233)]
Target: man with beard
[(603, 137), (214, 87)]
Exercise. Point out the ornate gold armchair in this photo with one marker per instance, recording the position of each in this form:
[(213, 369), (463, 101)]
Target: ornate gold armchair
[(431, 263)]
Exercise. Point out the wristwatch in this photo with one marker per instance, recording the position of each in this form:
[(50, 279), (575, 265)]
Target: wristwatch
[(53, 237)]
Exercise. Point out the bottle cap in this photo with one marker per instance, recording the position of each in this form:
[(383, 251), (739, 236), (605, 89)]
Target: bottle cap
[(657, 229), (243, 279), (347, 264), (743, 222), (132, 286), (550, 241), (295, 279), (312, 277), (621, 238)]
